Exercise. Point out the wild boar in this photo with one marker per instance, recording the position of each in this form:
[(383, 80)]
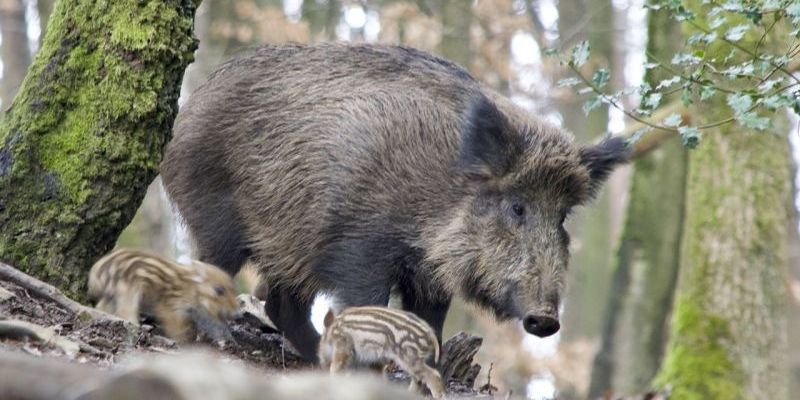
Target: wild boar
[(368, 335), (184, 299), (354, 169)]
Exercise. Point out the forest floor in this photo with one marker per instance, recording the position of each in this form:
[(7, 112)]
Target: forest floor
[(48, 339), (38, 324)]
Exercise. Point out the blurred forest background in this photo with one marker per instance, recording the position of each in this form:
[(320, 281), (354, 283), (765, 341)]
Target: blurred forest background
[(626, 246)]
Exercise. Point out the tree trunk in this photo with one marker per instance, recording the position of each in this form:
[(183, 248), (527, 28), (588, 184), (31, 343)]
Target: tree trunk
[(589, 273), (647, 264), (456, 17), (45, 8), (15, 50), (84, 136), (728, 337)]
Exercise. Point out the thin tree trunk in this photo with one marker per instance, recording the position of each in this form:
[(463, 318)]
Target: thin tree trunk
[(728, 338), (589, 272), (84, 136), (45, 8), (15, 50), (456, 17), (649, 253)]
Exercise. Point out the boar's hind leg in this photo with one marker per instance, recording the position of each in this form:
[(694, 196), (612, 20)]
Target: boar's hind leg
[(217, 230), (291, 314)]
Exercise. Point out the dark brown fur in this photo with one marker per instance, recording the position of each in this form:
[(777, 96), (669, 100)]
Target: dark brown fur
[(354, 169)]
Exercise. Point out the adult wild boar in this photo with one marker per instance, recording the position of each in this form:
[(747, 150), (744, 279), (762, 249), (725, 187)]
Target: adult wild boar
[(356, 169)]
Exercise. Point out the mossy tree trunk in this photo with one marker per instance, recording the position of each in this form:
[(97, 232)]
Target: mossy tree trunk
[(728, 337), (647, 265), (85, 135)]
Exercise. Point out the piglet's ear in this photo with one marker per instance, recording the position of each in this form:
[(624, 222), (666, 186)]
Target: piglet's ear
[(602, 158), (488, 147), (328, 319)]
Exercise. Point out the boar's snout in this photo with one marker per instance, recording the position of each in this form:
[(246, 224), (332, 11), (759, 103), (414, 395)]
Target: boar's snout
[(541, 325), (542, 321)]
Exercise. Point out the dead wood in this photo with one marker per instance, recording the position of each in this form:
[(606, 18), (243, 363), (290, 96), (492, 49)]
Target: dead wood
[(457, 359), (48, 292)]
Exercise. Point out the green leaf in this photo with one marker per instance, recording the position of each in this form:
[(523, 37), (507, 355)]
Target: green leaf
[(686, 97), (777, 101), (706, 92), (745, 69), (752, 120), (793, 10), (600, 78), (739, 102), (737, 32), (567, 82), (717, 21), (769, 85), (690, 136), (672, 120), (580, 54), (591, 104), (733, 6), (668, 82), (652, 100), (685, 59)]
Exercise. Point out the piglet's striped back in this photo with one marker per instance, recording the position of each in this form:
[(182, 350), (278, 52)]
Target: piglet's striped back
[(403, 328)]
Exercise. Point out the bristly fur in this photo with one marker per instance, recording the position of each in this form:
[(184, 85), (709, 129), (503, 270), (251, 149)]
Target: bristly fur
[(358, 168), (184, 298)]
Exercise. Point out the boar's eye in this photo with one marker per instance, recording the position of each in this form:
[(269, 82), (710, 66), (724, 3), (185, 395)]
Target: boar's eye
[(219, 290), (518, 209)]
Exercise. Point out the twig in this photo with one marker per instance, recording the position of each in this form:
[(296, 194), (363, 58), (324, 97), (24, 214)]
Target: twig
[(48, 292)]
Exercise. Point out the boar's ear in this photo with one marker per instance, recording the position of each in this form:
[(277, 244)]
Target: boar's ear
[(328, 319), (602, 158), (488, 147)]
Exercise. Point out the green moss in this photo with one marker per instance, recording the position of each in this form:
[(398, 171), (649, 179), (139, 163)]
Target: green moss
[(698, 365)]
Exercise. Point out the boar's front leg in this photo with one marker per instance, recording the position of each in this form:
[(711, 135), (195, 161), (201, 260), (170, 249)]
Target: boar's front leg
[(291, 314), (432, 309)]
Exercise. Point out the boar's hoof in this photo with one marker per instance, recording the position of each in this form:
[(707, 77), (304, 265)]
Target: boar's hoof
[(541, 325)]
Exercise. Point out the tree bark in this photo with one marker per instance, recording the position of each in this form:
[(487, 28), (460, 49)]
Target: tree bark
[(15, 50), (647, 264), (85, 135), (728, 338)]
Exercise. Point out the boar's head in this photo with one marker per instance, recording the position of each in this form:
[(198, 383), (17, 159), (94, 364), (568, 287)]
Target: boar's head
[(504, 246)]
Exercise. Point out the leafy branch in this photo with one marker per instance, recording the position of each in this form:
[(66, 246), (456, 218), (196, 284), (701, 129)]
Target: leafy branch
[(752, 89)]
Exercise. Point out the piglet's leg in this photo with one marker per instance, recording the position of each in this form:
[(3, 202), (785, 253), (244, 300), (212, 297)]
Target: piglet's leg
[(176, 324), (342, 355), (125, 303), (431, 378)]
